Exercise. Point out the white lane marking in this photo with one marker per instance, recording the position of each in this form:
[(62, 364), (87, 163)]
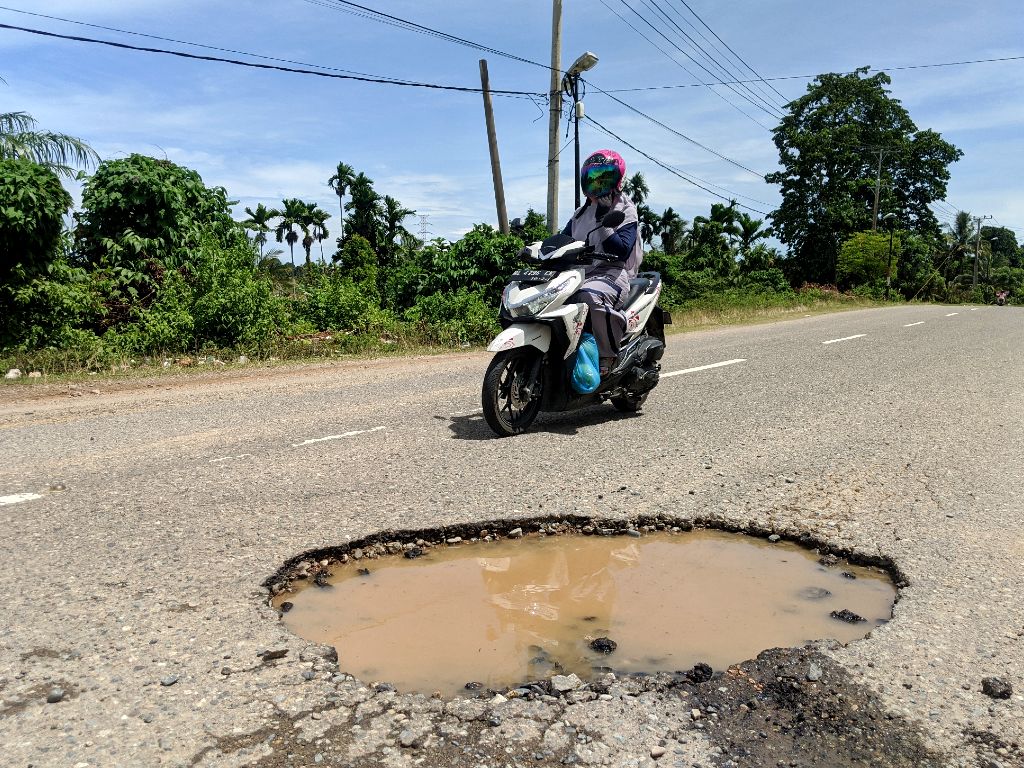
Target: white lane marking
[(974, 309), (703, 368), (952, 313), (337, 437), (18, 498), (845, 338), (911, 325), (229, 458)]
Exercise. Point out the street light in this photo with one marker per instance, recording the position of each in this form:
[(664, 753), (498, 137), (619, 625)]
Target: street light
[(571, 85), (888, 221)]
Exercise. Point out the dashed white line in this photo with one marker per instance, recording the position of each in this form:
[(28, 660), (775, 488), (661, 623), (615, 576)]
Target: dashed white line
[(229, 458), (845, 338), (911, 325), (337, 437), (952, 313), (703, 368), (17, 498), (974, 309)]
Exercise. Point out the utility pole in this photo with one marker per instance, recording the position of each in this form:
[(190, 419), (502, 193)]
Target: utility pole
[(555, 113), (977, 249), (492, 143), (878, 191)]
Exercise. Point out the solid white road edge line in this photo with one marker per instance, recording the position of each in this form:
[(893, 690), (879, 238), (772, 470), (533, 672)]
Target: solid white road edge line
[(703, 368), (845, 338), (337, 437), (952, 313), (18, 497), (911, 325)]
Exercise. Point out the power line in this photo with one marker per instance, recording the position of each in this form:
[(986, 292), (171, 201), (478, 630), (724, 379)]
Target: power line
[(709, 29), (811, 77), (678, 63), (754, 98), (366, 12), (674, 171), (274, 67), (683, 136)]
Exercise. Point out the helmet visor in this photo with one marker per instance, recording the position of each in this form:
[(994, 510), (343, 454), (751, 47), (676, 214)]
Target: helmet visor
[(599, 180)]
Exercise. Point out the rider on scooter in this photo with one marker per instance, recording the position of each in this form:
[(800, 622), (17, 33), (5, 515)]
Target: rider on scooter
[(606, 285)]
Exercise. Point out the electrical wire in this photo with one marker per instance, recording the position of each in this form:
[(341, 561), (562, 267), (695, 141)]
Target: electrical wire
[(274, 67), (675, 61), (674, 171), (757, 74), (750, 95)]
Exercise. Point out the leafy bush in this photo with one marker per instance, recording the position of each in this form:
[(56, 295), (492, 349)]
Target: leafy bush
[(460, 317), (864, 258), (332, 300), (32, 208)]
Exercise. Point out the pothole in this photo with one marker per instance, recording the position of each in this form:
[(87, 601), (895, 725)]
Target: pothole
[(502, 611)]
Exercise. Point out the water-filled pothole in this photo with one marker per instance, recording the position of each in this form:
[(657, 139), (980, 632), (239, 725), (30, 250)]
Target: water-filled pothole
[(501, 613)]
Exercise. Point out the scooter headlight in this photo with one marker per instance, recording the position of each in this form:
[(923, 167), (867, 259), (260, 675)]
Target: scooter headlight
[(536, 304)]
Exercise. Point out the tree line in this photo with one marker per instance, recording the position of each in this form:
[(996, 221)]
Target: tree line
[(153, 261)]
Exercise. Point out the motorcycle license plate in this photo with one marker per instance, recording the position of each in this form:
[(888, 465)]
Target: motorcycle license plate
[(533, 276)]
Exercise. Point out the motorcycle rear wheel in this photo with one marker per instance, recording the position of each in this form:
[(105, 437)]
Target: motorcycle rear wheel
[(501, 396), (629, 403)]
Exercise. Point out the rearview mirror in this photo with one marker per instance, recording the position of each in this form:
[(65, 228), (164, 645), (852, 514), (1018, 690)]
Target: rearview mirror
[(612, 219)]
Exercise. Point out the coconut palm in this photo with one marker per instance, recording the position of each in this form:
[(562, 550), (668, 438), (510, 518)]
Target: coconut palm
[(671, 229), (59, 152), (318, 226), (259, 224), (750, 231), (341, 182), (365, 209), (649, 224), (636, 188), (393, 214), (959, 238), (291, 216)]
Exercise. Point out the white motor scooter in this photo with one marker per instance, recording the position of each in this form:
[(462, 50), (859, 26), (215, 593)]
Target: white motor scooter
[(536, 351)]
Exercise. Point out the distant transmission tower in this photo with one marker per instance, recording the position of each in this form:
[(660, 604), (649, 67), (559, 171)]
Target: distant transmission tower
[(424, 227)]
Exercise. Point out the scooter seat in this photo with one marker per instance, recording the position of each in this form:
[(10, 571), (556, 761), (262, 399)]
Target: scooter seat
[(637, 287)]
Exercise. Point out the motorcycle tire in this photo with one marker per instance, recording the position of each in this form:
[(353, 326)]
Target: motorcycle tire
[(629, 403), (504, 412)]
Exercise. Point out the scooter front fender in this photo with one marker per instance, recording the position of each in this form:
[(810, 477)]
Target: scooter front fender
[(522, 335)]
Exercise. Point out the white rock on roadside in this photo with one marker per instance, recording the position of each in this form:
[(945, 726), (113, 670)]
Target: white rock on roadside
[(12, 374)]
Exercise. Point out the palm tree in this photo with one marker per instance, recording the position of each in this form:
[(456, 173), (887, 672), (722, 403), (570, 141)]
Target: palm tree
[(650, 223), (341, 182), (365, 209), (318, 223), (292, 215), (394, 214), (959, 236), (750, 231), (57, 151), (259, 223), (636, 189), (671, 228)]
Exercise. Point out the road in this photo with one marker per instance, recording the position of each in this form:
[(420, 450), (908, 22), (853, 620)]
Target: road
[(139, 525)]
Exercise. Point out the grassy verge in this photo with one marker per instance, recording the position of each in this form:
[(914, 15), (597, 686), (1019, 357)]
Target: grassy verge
[(398, 340)]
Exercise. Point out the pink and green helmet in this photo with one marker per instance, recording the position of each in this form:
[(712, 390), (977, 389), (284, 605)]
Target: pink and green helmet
[(602, 173)]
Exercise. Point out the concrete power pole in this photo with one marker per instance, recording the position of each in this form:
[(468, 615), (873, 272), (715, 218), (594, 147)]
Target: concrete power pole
[(492, 143), (878, 191), (555, 114), (977, 249)]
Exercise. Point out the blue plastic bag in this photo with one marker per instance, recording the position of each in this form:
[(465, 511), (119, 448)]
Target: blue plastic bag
[(586, 376)]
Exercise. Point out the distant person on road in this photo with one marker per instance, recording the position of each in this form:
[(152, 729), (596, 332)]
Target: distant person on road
[(606, 285)]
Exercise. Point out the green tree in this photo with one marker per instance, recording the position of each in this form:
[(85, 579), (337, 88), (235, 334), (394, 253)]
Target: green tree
[(959, 238), (365, 210), (259, 224), (20, 138), (318, 224), (671, 230), (636, 189), (829, 146), (864, 258), (650, 223), (340, 182), (750, 232), (393, 214), (294, 213), (143, 215)]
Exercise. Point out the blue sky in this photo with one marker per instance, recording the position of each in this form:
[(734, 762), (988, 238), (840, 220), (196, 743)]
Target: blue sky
[(268, 135)]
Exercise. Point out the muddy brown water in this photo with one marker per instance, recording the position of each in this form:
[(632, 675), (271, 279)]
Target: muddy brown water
[(502, 613)]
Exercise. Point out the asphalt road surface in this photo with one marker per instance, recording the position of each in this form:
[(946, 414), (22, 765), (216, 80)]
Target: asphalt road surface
[(140, 522)]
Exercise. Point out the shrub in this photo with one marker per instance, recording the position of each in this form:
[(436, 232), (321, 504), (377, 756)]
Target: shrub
[(332, 300), (460, 317)]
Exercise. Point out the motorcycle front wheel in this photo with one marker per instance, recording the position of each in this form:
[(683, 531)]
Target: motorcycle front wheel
[(508, 409)]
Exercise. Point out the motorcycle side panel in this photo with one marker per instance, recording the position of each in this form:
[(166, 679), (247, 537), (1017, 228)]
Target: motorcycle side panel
[(574, 316), (638, 313), (522, 335)]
